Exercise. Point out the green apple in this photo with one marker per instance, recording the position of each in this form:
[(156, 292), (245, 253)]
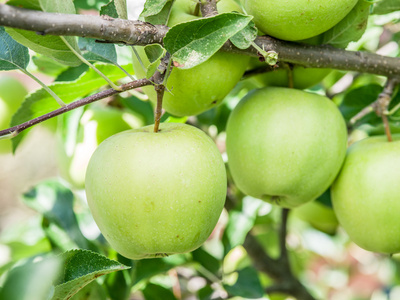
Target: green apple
[(96, 124), (156, 194), (318, 215), (303, 78), (366, 195), (193, 91), (12, 93), (285, 146), (294, 20)]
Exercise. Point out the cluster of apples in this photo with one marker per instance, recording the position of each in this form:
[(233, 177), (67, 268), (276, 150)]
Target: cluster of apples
[(157, 194)]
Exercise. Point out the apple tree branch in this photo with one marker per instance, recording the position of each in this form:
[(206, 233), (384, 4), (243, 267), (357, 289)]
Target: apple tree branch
[(142, 33), (15, 130)]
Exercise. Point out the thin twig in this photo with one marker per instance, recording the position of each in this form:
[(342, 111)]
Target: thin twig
[(384, 100), (15, 130), (380, 106)]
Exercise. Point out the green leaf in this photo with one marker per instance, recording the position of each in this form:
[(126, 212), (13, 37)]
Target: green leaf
[(31, 279), (58, 6), (155, 291), (241, 222), (92, 291), (193, 42), (206, 260), (40, 102), (89, 4), (28, 4), (143, 108), (244, 38), (118, 284), (162, 17), (51, 46), (72, 73), (80, 268), (147, 268), (121, 8), (98, 51), (325, 198), (12, 54), (109, 9), (153, 7), (154, 54), (351, 28), (355, 100), (386, 6), (48, 66), (55, 202), (248, 285), (205, 293)]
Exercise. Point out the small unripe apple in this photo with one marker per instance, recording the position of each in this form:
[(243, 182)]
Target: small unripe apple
[(193, 91), (294, 20), (318, 215), (285, 146), (12, 93), (366, 195), (96, 124), (156, 194)]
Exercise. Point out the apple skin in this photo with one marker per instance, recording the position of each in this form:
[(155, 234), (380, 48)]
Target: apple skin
[(96, 124), (156, 194), (12, 93), (193, 91), (366, 195), (285, 146), (303, 78), (294, 20), (318, 215)]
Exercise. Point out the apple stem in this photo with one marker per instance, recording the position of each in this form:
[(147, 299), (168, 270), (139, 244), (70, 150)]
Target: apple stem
[(384, 100), (160, 82), (283, 233), (160, 89)]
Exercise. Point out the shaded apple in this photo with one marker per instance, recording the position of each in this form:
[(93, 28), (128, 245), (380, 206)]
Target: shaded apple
[(96, 124), (193, 91), (12, 93)]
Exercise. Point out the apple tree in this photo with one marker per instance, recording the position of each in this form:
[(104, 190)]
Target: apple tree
[(203, 149)]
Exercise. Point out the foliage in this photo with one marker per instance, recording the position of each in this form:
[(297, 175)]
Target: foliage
[(59, 253)]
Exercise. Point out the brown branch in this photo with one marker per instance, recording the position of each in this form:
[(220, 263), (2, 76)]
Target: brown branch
[(15, 130), (326, 56), (102, 28), (140, 33), (278, 269), (208, 8)]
